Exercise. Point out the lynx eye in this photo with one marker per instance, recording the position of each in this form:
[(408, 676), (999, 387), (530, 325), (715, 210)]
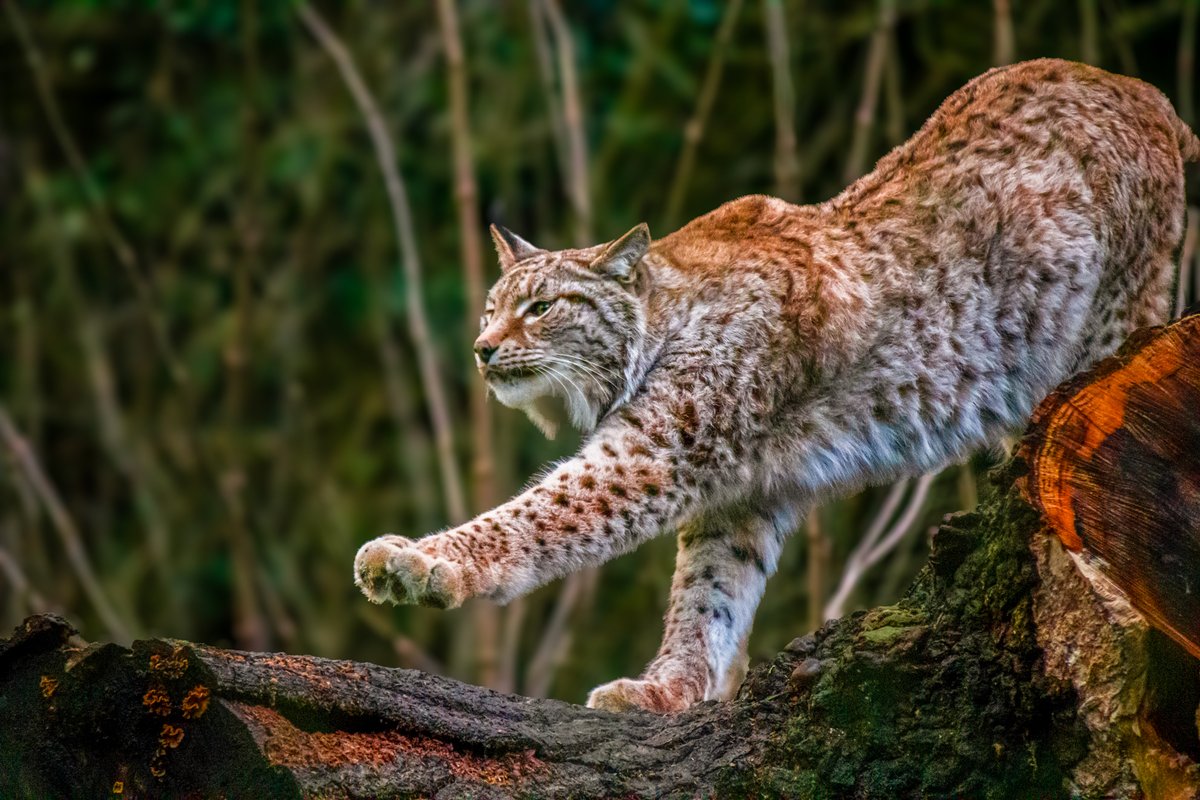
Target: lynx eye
[(538, 309)]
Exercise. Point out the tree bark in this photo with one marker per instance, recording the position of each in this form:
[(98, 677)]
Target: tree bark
[(1002, 673)]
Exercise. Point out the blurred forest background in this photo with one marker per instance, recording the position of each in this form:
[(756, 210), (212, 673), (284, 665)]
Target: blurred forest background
[(242, 254)]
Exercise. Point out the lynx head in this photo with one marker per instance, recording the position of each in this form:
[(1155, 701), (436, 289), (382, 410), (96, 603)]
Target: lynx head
[(562, 330)]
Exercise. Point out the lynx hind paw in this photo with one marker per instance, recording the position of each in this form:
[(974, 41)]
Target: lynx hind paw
[(628, 694), (392, 569)]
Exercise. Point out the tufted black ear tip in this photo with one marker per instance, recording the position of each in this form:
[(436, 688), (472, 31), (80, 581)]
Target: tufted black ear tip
[(510, 248), (621, 256)]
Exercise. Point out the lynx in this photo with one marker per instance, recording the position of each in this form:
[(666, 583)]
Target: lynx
[(768, 355)]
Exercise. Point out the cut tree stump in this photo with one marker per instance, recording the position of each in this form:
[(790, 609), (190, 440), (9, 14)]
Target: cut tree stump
[(1003, 673), (1115, 470)]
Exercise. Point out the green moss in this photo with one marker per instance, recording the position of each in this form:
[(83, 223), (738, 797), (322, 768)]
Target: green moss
[(938, 695), (893, 617)]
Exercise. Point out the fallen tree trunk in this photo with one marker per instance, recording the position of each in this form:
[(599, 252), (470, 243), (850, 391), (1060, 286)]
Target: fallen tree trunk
[(1001, 674)]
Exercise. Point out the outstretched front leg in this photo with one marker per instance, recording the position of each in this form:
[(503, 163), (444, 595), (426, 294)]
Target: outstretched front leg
[(721, 570), (622, 488)]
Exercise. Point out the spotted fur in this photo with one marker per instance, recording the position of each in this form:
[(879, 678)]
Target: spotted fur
[(767, 354)]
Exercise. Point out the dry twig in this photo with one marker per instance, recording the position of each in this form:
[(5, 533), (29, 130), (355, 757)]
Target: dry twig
[(1089, 33), (693, 131), (556, 638), (409, 654), (864, 116), (439, 408), (19, 583), (893, 95), (125, 254), (1187, 257), (1003, 41), (29, 466), (875, 545), (1185, 65), (818, 566), (787, 167), (552, 646), (578, 186), (485, 616)]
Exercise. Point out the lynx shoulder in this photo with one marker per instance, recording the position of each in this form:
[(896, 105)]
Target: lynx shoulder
[(766, 354)]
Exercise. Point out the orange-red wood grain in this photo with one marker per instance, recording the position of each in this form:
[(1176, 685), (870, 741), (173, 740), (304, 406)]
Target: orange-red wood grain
[(1114, 460)]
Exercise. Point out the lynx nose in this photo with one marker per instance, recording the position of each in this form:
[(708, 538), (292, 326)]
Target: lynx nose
[(485, 351)]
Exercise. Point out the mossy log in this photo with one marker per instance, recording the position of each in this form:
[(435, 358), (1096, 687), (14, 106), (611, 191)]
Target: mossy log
[(1002, 673)]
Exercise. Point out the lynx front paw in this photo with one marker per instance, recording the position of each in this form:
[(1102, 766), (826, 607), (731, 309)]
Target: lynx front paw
[(391, 568), (628, 694)]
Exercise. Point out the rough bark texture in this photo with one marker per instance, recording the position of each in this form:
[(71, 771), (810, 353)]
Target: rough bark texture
[(941, 694), (1003, 673)]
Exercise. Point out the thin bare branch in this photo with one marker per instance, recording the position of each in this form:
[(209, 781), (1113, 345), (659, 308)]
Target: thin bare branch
[(915, 505), (1089, 33), (250, 622), (466, 194), (968, 490), (132, 461), (552, 646), (884, 515), (1003, 41), (864, 116), (579, 185), (510, 645), (485, 616), (818, 566), (893, 95), (646, 54), (19, 583), (1115, 28), (1194, 213), (545, 60), (409, 654), (124, 253), (28, 464), (418, 323), (787, 166), (1189, 254), (693, 131), (556, 638), (1185, 64), (871, 549)]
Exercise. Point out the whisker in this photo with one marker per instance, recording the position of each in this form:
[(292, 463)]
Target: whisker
[(571, 381), (552, 374), (589, 368), (595, 368)]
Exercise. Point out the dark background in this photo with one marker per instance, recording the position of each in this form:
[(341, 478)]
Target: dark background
[(213, 384)]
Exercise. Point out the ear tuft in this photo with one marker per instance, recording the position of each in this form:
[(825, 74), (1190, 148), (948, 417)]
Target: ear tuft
[(511, 248), (621, 256)]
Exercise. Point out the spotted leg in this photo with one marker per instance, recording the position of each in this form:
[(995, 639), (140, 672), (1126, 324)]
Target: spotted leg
[(721, 569)]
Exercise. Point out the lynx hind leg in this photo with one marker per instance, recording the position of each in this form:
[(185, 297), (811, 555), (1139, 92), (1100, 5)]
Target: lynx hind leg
[(731, 681), (721, 569)]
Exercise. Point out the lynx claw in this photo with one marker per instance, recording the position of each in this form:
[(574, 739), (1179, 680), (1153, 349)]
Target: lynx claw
[(628, 694), (393, 569)]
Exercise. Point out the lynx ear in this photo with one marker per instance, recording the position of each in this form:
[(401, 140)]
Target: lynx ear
[(620, 257), (511, 248)]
